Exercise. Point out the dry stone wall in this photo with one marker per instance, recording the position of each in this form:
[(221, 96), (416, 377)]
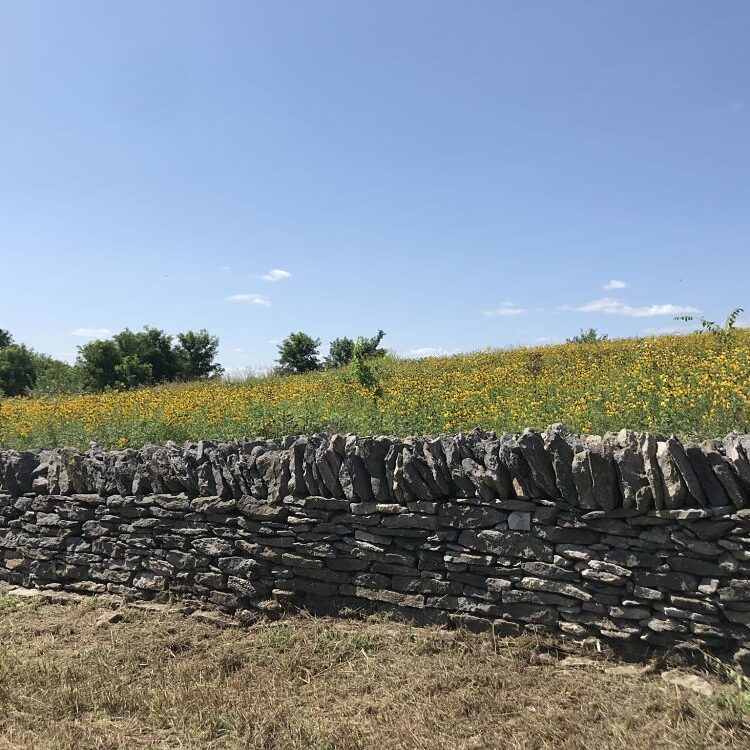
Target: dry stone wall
[(630, 537)]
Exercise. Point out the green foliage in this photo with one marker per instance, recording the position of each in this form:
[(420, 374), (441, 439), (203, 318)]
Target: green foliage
[(340, 353), (17, 371), (298, 352), (592, 336), (342, 349), (99, 361), (26, 372), (54, 376), (361, 373), (196, 352), (132, 371), (6, 339), (724, 332), (370, 346), (147, 357), (130, 359)]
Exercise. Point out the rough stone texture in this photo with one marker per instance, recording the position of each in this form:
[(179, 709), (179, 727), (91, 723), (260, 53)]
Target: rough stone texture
[(627, 537)]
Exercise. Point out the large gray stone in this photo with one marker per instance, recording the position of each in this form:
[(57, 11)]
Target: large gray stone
[(560, 447), (679, 456), (540, 465), (712, 488), (674, 489), (508, 544), (738, 459), (460, 516), (631, 472), (724, 473)]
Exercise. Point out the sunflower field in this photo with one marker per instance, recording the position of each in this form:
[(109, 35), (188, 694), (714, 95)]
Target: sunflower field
[(695, 386)]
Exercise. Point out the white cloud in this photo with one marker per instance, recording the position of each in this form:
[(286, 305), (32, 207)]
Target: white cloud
[(275, 274), (506, 308), (251, 299), (611, 306), (429, 351), (543, 340), (91, 333), (225, 268), (238, 349), (662, 331), (614, 284)]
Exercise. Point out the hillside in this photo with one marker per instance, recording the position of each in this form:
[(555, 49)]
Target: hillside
[(695, 386)]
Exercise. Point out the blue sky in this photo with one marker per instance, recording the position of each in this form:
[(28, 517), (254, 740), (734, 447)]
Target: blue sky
[(462, 175)]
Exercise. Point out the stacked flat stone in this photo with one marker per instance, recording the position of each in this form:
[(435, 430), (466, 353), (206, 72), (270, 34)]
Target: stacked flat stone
[(626, 536)]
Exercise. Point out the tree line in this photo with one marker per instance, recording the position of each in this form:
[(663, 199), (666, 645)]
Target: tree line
[(299, 352), (130, 359), (126, 360)]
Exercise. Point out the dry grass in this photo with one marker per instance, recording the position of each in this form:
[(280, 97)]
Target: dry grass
[(167, 680)]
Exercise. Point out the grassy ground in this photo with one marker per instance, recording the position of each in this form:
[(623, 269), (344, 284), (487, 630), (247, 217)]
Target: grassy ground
[(695, 386), (80, 676)]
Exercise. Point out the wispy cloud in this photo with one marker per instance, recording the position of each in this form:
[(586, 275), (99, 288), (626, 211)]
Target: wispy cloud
[(91, 333), (250, 299), (614, 284), (276, 274), (225, 268), (506, 308), (429, 351), (662, 330), (611, 306)]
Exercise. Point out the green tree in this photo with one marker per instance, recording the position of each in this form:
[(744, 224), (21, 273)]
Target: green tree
[(196, 353), (133, 358), (370, 346), (17, 371), (298, 352), (5, 338), (132, 371), (361, 372), (151, 347), (592, 336), (340, 352), (54, 376), (342, 349), (98, 361)]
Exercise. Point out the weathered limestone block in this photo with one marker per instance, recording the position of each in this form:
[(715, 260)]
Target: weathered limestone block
[(724, 474), (712, 489), (737, 453), (512, 457), (508, 544), (674, 489), (561, 447), (679, 456), (532, 447), (635, 487)]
